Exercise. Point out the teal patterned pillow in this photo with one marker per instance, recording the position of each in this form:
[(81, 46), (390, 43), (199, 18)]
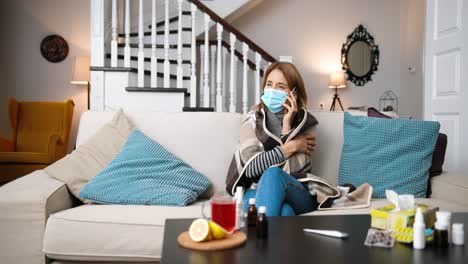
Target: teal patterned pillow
[(393, 154), (145, 173)]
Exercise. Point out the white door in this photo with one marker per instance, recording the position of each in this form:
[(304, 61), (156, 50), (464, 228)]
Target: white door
[(446, 76)]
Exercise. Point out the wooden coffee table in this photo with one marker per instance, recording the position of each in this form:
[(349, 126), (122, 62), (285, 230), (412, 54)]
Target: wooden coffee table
[(287, 243)]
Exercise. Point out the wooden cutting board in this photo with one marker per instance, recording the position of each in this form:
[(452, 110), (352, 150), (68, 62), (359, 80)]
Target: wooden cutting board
[(231, 241)]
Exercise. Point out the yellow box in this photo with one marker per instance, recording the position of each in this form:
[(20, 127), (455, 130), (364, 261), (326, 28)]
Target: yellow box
[(384, 217)]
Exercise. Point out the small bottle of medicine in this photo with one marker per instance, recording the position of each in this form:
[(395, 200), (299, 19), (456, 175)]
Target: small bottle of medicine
[(252, 213), (441, 239), (458, 234), (262, 223)]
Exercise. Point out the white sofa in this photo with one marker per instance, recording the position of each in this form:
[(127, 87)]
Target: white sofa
[(40, 221)]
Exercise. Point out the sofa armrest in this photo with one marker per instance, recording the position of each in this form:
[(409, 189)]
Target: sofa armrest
[(451, 187), (25, 205)]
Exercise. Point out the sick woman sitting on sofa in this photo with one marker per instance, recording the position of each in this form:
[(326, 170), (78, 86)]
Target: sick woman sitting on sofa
[(276, 142)]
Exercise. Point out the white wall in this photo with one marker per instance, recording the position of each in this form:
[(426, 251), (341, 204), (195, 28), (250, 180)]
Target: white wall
[(313, 31), (412, 47), (26, 74)]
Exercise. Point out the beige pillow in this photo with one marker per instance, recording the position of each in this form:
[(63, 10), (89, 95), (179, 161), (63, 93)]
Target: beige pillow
[(90, 158)]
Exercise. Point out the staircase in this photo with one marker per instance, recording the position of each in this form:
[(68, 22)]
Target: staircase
[(171, 64)]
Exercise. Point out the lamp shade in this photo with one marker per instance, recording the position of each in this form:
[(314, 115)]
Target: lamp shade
[(81, 70), (337, 80)]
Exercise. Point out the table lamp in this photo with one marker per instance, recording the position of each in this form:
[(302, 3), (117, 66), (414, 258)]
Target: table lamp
[(337, 81), (81, 72)]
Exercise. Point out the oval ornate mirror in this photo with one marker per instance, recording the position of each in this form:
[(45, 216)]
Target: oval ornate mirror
[(360, 56)]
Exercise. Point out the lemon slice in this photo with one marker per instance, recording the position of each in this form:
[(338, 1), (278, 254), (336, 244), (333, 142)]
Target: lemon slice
[(217, 231), (199, 230)]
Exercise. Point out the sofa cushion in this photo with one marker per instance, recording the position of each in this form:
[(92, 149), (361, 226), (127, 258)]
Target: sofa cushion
[(206, 141), (145, 173), (92, 156), (392, 154), (325, 159), (111, 232)]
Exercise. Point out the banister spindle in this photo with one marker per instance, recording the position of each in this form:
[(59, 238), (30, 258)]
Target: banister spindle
[(245, 50), (202, 74), (154, 61), (179, 47), (206, 72), (258, 60), (219, 95), (114, 34), (141, 54), (193, 60), (232, 77), (224, 78), (127, 34), (166, 47), (213, 76)]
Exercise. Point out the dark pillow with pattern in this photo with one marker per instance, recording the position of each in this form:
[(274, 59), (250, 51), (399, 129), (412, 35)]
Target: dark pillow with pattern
[(438, 157)]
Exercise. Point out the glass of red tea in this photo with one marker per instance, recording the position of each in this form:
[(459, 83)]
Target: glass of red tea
[(223, 211)]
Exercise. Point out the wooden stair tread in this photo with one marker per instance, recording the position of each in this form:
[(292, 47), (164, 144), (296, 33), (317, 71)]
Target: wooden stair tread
[(198, 109), (156, 89), (171, 20), (158, 46), (147, 59), (159, 32)]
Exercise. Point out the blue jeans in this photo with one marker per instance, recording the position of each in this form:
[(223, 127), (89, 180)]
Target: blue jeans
[(281, 194)]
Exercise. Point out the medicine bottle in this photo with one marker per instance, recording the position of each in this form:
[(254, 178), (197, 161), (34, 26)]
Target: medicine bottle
[(441, 239), (262, 223), (458, 235), (252, 213)]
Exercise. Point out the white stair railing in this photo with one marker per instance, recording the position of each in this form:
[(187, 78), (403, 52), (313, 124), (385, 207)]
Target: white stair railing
[(210, 86), (179, 47), (258, 60), (245, 89), (202, 71), (219, 95), (166, 47), (114, 35), (223, 78), (127, 35), (193, 59), (232, 78), (213, 75), (206, 65), (141, 54), (154, 59)]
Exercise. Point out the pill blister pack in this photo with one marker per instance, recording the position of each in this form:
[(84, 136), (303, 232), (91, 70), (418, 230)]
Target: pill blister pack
[(379, 238)]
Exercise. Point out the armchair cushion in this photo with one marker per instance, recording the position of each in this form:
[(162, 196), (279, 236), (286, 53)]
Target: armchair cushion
[(6, 145), (90, 158), (25, 157)]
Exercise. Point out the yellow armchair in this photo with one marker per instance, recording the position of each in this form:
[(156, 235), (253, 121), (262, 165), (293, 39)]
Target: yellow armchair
[(40, 134)]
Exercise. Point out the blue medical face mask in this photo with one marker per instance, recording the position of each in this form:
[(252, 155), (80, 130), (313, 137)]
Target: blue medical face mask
[(273, 99)]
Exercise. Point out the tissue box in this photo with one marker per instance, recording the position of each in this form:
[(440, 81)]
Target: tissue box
[(387, 219)]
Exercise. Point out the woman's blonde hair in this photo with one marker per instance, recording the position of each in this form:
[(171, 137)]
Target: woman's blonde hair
[(294, 79)]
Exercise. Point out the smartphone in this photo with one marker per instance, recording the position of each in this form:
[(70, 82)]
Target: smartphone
[(294, 90)]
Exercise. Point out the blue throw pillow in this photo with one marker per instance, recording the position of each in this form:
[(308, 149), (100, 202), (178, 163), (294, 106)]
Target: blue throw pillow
[(145, 173), (393, 154)]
